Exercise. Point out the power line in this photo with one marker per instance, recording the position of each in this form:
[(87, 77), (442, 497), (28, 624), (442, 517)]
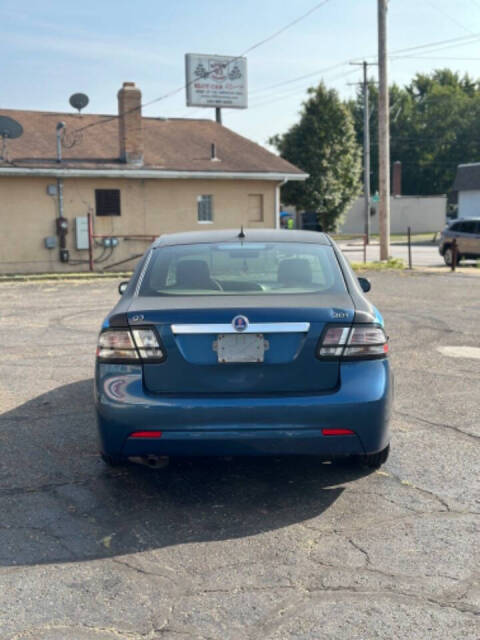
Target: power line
[(295, 92), (448, 16), (287, 26), (434, 58), (349, 60), (436, 49), (460, 40), (232, 60), (303, 77), (268, 99), (452, 42)]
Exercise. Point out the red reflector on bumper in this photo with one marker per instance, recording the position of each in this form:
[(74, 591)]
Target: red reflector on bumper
[(146, 434), (338, 432)]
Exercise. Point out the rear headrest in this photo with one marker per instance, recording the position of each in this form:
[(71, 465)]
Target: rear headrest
[(294, 271), (193, 274)]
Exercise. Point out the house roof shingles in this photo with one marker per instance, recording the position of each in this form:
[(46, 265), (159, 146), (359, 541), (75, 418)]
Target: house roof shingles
[(467, 178), (169, 145)]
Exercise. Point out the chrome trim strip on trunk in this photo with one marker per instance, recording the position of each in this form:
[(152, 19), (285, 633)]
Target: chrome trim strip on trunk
[(261, 327)]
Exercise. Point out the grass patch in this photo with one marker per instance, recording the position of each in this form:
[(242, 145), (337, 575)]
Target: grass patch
[(40, 277), (391, 263)]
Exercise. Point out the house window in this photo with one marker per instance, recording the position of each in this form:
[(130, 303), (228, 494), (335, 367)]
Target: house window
[(107, 202), (255, 207), (205, 209)]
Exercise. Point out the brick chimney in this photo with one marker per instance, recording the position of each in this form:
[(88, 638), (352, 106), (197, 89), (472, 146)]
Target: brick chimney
[(397, 178), (130, 127)]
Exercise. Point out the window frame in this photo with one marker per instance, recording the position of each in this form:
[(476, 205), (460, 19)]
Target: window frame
[(201, 199), (107, 213), (262, 207)]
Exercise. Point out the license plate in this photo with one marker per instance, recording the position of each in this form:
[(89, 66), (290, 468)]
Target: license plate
[(248, 347)]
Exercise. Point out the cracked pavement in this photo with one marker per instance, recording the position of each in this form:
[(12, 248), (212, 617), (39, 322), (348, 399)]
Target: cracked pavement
[(245, 548)]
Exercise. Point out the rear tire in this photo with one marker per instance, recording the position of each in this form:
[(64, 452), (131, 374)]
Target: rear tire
[(374, 460), (113, 461)]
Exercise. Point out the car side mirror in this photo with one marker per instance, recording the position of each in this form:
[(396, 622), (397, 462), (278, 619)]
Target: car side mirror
[(122, 287), (365, 284)]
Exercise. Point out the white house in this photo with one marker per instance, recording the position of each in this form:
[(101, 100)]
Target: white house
[(467, 184)]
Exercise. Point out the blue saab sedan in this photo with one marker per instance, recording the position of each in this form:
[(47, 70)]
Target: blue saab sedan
[(243, 343)]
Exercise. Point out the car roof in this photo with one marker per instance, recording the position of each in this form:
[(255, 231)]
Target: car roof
[(476, 219), (232, 235)]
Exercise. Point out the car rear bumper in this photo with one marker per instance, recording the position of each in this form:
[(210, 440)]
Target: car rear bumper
[(273, 424)]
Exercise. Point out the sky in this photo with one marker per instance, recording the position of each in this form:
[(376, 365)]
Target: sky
[(54, 48)]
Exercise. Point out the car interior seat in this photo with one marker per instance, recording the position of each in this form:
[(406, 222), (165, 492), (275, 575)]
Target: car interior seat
[(294, 272), (194, 274)]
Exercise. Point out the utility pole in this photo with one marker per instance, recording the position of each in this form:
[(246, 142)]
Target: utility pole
[(383, 134), (366, 149), (366, 152)]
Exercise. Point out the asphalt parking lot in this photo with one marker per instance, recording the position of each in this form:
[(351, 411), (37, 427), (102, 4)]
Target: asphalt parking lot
[(239, 549)]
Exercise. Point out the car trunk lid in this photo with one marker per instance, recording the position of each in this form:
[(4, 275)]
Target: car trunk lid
[(193, 336)]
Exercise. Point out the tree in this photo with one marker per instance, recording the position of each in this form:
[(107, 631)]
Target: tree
[(323, 145), (434, 126)]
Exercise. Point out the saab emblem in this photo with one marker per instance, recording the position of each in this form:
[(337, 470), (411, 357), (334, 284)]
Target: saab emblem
[(240, 323)]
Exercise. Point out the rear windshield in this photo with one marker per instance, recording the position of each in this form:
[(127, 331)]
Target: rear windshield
[(242, 268)]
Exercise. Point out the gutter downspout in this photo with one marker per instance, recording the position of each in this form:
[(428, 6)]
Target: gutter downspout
[(277, 202), (60, 128), (62, 224)]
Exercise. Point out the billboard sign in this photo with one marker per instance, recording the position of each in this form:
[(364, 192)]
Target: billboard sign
[(216, 81)]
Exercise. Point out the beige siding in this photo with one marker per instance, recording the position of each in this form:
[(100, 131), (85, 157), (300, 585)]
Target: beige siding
[(27, 215)]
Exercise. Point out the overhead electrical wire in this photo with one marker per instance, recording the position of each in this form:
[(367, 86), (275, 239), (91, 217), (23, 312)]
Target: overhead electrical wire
[(438, 49), (391, 54), (297, 91), (452, 42), (232, 60), (435, 58), (299, 78), (319, 5), (344, 63), (430, 47), (448, 16)]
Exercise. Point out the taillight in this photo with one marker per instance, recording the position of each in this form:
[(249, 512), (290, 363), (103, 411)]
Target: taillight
[(355, 342), (147, 343), (366, 341), (146, 434), (118, 345)]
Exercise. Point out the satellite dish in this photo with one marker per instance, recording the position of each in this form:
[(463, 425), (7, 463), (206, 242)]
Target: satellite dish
[(79, 101), (10, 128)]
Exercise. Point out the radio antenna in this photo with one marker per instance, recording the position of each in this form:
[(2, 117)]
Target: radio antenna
[(241, 234)]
